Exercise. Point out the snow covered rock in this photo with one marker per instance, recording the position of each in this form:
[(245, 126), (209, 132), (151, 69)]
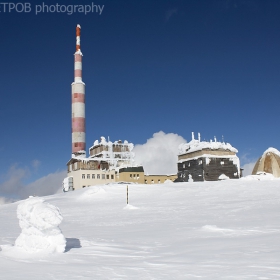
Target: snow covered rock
[(39, 222)]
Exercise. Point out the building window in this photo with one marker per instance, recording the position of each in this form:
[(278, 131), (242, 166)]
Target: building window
[(158, 181), (103, 176), (145, 181), (98, 176), (88, 176), (83, 176), (108, 177), (184, 165), (130, 175), (84, 186), (112, 177), (152, 181), (138, 175), (134, 175), (93, 176)]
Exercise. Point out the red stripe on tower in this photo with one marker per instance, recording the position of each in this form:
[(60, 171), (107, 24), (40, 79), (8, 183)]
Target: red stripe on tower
[(78, 124), (78, 97), (78, 102)]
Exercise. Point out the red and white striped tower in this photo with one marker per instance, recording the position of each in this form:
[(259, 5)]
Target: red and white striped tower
[(78, 103)]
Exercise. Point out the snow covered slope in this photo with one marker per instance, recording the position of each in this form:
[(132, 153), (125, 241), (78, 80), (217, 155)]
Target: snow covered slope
[(210, 230)]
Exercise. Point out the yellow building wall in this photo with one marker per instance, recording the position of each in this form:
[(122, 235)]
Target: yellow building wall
[(86, 178), (86, 174), (158, 179), (133, 177)]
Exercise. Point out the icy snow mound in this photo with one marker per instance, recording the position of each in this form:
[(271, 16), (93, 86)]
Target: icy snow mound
[(130, 207), (168, 181), (261, 176), (93, 191), (223, 177), (39, 222)]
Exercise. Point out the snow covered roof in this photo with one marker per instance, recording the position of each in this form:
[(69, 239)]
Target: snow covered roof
[(197, 145), (104, 142)]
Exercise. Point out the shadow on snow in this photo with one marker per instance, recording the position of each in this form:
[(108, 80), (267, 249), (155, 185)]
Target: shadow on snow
[(72, 243)]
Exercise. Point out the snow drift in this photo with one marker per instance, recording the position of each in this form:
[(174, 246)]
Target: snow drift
[(39, 222)]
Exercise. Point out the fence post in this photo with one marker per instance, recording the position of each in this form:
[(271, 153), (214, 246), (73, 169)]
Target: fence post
[(126, 194)]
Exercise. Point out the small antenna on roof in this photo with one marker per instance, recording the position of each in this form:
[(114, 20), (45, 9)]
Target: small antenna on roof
[(223, 139)]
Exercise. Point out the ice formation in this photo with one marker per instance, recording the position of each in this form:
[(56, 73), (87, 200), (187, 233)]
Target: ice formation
[(39, 222)]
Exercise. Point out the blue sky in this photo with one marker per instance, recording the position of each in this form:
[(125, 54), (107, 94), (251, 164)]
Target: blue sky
[(208, 66)]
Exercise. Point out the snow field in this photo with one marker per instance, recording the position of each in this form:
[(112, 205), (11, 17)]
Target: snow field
[(209, 230)]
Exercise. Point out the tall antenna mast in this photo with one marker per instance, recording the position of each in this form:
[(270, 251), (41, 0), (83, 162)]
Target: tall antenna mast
[(78, 102)]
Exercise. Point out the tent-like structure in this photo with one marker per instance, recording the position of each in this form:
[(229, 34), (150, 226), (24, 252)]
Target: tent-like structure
[(269, 162)]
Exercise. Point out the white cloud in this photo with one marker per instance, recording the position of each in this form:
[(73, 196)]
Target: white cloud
[(248, 168), (4, 200), (47, 185), (248, 164), (159, 154), (14, 188), (13, 181)]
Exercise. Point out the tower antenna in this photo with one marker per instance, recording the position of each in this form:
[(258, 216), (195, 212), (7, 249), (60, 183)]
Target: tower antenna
[(78, 102)]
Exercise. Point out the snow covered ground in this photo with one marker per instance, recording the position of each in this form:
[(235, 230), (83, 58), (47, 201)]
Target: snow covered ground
[(212, 230)]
